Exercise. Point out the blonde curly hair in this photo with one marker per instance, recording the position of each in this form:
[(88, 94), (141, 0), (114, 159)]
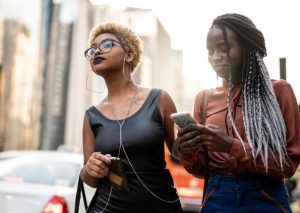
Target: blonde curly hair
[(127, 37)]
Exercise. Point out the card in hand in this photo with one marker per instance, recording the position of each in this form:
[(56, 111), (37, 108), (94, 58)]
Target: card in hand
[(117, 175)]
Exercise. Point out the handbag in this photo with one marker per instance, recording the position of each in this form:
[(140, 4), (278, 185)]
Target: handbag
[(80, 191)]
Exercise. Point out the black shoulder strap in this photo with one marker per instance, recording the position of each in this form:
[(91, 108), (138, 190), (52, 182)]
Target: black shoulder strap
[(80, 190)]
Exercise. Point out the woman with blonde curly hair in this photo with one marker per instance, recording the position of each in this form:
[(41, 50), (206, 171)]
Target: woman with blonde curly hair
[(131, 123)]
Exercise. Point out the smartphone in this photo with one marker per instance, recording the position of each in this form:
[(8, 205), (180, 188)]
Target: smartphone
[(183, 119)]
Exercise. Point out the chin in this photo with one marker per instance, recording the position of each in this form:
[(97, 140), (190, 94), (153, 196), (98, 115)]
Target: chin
[(222, 75)]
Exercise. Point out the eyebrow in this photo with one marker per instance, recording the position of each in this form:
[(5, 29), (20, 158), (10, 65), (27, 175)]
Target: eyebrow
[(93, 45), (219, 44), (111, 39)]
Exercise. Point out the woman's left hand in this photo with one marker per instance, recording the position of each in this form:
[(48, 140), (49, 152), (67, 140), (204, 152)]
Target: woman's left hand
[(215, 139)]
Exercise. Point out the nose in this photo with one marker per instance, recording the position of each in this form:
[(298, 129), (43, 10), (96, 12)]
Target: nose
[(216, 56), (97, 51)]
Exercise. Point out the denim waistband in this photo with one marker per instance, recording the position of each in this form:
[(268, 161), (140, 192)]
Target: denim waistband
[(248, 180)]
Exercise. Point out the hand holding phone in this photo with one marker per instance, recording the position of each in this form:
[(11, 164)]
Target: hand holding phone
[(183, 119)]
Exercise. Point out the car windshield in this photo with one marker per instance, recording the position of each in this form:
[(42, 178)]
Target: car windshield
[(39, 171)]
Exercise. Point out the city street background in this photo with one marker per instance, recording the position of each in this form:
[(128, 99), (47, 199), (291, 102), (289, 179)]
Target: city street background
[(45, 79)]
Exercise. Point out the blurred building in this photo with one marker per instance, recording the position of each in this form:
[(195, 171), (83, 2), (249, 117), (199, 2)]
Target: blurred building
[(57, 61), (45, 79), (20, 80), (14, 114)]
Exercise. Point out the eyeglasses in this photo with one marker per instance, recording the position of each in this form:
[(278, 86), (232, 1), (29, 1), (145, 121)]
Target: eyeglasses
[(105, 46)]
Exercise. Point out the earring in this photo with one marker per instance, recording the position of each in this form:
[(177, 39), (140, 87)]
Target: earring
[(91, 81), (130, 67), (124, 63)]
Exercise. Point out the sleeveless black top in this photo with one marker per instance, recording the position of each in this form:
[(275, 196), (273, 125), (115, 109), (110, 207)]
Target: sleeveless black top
[(143, 140)]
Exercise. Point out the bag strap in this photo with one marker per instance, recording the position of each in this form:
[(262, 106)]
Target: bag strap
[(80, 190), (203, 107)]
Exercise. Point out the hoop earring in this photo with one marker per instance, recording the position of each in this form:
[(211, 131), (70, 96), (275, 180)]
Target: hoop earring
[(130, 80), (91, 80)]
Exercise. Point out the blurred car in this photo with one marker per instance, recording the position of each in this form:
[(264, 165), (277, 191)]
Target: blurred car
[(189, 188), (39, 181)]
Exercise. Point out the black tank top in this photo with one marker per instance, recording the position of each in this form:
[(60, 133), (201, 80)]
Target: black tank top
[(143, 139)]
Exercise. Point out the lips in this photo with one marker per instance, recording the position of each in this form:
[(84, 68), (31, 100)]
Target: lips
[(98, 60), (220, 66)]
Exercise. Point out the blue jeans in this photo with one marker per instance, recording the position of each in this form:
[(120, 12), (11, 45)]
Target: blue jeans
[(250, 193)]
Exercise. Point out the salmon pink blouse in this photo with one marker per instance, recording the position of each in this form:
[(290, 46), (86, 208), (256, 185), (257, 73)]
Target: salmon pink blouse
[(237, 162)]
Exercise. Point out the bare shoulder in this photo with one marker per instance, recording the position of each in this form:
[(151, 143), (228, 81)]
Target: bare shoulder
[(143, 93), (166, 102), (165, 97), (101, 105)]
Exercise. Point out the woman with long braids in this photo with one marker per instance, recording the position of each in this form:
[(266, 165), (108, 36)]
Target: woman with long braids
[(249, 140)]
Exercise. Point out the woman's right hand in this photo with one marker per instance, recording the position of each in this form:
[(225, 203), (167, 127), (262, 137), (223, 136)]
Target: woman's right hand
[(97, 165)]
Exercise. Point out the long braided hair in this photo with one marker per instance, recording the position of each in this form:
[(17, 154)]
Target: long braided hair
[(263, 120)]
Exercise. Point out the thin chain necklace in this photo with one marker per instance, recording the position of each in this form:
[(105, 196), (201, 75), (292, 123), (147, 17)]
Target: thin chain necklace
[(129, 109), (121, 124)]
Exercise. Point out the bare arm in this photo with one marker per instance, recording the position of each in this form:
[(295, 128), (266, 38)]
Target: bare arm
[(95, 164), (167, 107)]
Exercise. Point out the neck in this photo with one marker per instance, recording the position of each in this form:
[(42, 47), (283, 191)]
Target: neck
[(135, 91), (225, 84), (120, 88), (235, 82)]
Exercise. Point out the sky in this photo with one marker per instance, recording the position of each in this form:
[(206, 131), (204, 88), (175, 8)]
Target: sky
[(188, 23)]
